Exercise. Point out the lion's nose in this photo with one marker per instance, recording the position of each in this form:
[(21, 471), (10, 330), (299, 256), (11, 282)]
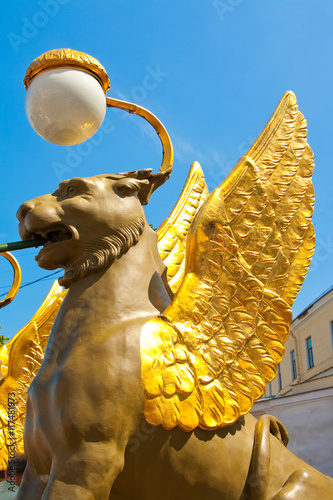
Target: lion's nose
[(23, 210)]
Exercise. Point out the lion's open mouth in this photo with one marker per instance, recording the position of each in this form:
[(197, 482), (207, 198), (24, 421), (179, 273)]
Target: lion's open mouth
[(56, 235)]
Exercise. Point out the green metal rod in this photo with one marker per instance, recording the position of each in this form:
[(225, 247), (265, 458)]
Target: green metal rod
[(19, 245)]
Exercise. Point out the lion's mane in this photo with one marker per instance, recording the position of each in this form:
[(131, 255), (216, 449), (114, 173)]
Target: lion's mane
[(102, 252)]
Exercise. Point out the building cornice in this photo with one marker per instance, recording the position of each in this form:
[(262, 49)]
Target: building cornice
[(312, 310)]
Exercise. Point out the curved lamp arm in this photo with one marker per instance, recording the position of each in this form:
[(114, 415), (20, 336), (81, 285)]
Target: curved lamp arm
[(16, 282), (167, 160)]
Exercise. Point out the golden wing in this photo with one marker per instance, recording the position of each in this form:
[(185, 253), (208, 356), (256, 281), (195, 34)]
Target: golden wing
[(20, 360), (208, 358), (23, 355), (173, 231)]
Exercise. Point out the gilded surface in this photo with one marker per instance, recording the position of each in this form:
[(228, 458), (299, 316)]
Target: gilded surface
[(248, 253), (203, 360), (20, 360), (16, 281), (173, 231), (208, 358), (167, 160), (66, 58)]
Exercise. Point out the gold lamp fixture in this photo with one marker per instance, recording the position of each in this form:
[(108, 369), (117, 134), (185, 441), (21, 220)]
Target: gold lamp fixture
[(66, 100), (66, 103)]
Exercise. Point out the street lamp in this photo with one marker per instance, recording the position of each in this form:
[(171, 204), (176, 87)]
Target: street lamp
[(65, 100), (66, 103)]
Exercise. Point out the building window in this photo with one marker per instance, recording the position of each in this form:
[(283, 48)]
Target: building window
[(309, 352), (293, 364), (270, 389), (279, 377), (331, 325)]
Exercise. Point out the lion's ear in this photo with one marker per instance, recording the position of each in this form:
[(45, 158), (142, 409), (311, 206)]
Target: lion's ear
[(128, 186)]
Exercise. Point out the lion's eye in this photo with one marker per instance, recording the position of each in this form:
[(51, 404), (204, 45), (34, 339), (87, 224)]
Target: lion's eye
[(71, 190)]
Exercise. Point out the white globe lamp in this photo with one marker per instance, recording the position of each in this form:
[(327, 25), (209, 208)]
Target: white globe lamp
[(65, 101)]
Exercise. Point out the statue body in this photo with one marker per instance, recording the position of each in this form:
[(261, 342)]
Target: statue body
[(86, 437)]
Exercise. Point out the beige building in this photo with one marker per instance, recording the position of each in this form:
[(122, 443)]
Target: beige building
[(308, 360), (301, 395)]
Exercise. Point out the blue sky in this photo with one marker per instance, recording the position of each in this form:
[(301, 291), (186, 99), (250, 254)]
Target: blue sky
[(219, 70)]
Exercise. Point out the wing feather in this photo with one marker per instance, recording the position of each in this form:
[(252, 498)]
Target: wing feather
[(173, 231), (21, 359), (247, 253)]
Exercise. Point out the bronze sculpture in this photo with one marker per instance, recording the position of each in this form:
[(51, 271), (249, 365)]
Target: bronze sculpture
[(191, 365)]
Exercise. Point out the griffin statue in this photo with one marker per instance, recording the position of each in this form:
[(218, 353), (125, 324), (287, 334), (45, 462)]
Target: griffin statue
[(136, 381)]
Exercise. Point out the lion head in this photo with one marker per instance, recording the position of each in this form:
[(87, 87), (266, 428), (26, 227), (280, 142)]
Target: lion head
[(87, 223)]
